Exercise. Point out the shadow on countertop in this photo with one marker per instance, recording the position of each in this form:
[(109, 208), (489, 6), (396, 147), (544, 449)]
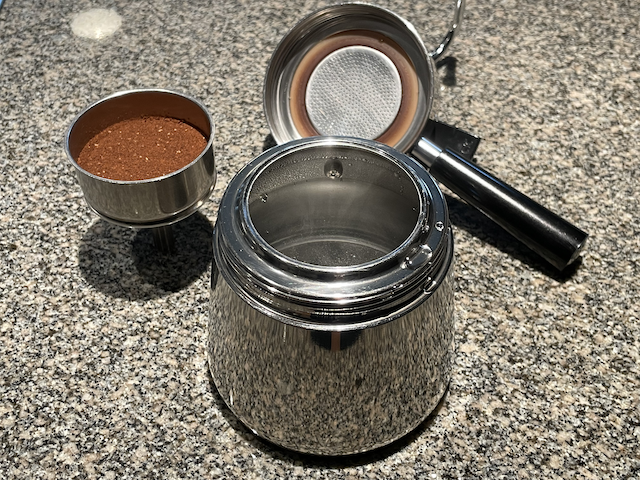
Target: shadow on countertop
[(320, 461), (125, 267)]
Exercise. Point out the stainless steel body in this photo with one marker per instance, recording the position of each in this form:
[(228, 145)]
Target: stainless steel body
[(154, 202), (360, 70), (331, 322)]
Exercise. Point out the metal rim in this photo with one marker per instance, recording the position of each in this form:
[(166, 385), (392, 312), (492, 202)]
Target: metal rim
[(308, 269), (124, 93), (330, 21), (187, 212), (341, 298), (153, 202)]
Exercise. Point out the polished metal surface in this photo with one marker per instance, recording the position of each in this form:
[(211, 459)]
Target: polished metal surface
[(331, 315), (404, 49), (154, 202), (457, 20), (551, 236), (336, 109)]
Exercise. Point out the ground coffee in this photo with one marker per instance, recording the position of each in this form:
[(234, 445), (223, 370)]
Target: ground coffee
[(142, 148)]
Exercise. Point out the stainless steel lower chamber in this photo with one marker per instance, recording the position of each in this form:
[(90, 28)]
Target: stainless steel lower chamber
[(331, 314)]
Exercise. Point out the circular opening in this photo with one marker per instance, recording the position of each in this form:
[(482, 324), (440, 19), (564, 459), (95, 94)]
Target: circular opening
[(139, 135), (358, 83), (333, 206)]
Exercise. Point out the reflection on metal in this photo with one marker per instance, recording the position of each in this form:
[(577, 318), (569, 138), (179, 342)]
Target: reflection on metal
[(331, 314), (154, 202)]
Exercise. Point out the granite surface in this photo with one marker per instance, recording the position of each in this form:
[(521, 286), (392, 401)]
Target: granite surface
[(102, 339)]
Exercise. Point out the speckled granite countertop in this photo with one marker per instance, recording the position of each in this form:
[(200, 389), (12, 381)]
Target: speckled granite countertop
[(102, 340)]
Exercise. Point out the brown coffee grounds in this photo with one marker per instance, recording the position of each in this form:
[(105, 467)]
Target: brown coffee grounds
[(142, 148)]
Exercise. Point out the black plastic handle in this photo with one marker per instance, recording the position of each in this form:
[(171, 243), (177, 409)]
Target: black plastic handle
[(549, 235)]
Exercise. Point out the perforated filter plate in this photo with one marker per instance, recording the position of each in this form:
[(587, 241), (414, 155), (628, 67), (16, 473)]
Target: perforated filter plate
[(372, 83), (356, 70), (354, 91)]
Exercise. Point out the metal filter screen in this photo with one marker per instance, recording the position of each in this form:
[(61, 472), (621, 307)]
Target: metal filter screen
[(355, 91)]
